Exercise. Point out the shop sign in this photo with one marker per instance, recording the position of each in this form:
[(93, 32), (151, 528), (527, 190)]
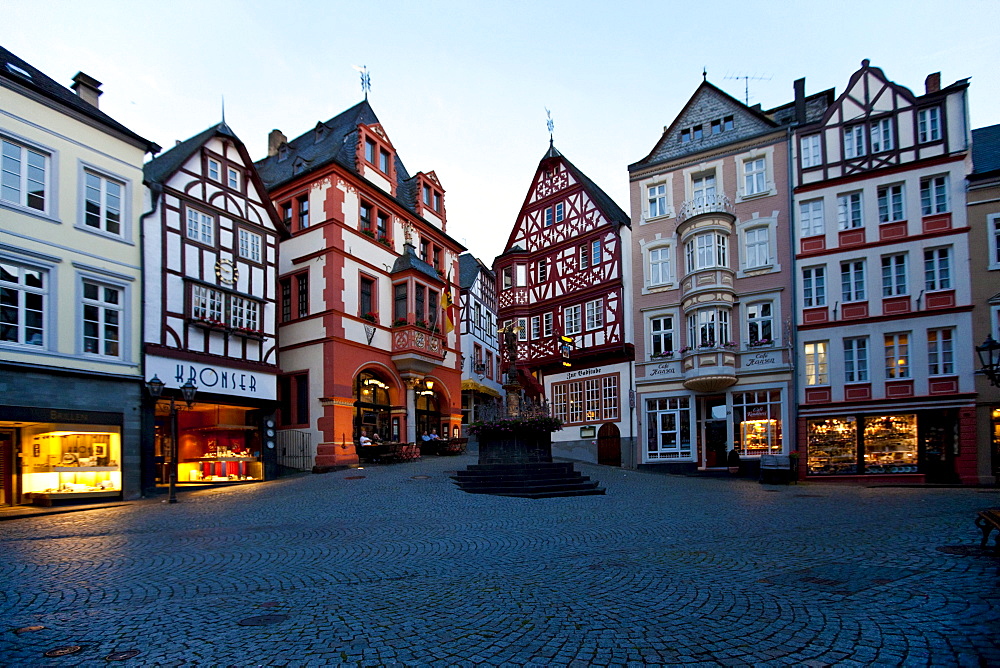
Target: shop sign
[(584, 372), (662, 369), (212, 378), (762, 359), (756, 413)]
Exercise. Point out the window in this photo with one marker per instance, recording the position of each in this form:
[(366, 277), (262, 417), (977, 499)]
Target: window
[(294, 296), (894, 275), (419, 300), (383, 161), (881, 135), (200, 226), (427, 194), (814, 286), (522, 329), (383, 226), (102, 203), (293, 397), (584, 256), (890, 204), (507, 276), (365, 218), (849, 211), (543, 270), (588, 400), (489, 365), (366, 294), (816, 364), (811, 217), (536, 327), (757, 422), (708, 328), (854, 141), (940, 351), (659, 266), (704, 189), (596, 256), (595, 314), (993, 231), (934, 195), (668, 428), (717, 127), (23, 300), (929, 125), (661, 336), (370, 147), (437, 201), (102, 319), (555, 213), (303, 203), (250, 245), (206, 304), (760, 324), (571, 320), (286, 214), (234, 178), (400, 308), (810, 151), (852, 281), (696, 132), (548, 216), (547, 324), (897, 356), (757, 247), (657, 199), (214, 170), (937, 269), (754, 177), (520, 275), (685, 135), (244, 313), (856, 360), (727, 123), (706, 251), (23, 173), (436, 252), (302, 290)]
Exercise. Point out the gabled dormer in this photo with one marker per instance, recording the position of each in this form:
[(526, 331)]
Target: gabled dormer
[(430, 198), (376, 157)]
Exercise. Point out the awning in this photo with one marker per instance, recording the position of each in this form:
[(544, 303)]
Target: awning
[(469, 384)]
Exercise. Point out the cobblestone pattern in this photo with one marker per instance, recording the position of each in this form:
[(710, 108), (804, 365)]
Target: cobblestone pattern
[(389, 569)]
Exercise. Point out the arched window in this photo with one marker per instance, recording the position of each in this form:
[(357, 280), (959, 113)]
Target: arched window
[(372, 408)]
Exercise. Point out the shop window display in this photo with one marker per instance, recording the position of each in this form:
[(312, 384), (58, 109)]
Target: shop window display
[(891, 444), (218, 445), (833, 446), (757, 417), (887, 444), (70, 462)]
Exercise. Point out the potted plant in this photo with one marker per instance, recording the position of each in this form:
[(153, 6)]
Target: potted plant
[(368, 233), (370, 316)]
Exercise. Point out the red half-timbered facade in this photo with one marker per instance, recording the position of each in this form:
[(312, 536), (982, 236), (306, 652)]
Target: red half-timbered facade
[(211, 252), (562, 274), (886, 374)]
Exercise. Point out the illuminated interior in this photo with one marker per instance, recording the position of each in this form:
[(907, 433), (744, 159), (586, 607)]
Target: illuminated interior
[(71, 459), (890, 445)]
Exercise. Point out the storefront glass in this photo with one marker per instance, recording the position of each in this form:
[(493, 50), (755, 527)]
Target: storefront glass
[(757, 422), (891, 444), (668, 429), (888, 443), (372, 408), (833, 446), (215, 444), (62, 462)]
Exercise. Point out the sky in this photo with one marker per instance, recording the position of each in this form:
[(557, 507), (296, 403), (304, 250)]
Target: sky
[(462, 87)]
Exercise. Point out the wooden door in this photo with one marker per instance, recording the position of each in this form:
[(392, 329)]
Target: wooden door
[(609, 445)]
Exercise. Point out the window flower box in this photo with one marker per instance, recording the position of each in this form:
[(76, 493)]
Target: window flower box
[(661, 356), (368, 233), (760, 343), (385, 242), (370, 316), (399, 322)]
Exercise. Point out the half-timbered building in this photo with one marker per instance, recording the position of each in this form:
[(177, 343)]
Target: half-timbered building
[(882, 254), (366, 285), (562, 283), (712, 283), (210, 241), (477, 302)]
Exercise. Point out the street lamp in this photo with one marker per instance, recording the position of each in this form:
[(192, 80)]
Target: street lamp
[(188, 390), (989, 358)]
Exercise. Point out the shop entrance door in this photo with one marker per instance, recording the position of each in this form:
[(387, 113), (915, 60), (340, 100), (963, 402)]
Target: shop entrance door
[(714, 431), (939, 449), (7, 467), (609, 445)]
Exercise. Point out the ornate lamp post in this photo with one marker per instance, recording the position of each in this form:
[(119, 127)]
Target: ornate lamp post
[(989, 358), (188, 390)]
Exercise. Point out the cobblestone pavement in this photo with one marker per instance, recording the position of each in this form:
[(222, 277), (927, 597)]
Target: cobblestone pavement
[(394, 564)]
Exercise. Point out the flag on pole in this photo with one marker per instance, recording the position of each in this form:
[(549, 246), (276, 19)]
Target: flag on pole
[(446, 304)]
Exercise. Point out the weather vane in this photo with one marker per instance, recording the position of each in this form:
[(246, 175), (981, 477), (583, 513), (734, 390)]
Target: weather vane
[(550, 124), (366, 81)]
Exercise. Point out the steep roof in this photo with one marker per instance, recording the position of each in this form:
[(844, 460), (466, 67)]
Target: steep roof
[(469, 267), (614, 213), (986, 150), (409, 260), (11, 68)]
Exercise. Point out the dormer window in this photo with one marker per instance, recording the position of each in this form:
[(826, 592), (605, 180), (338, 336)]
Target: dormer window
[(383, 161), (214, 169), (437, 202), (685, 136), (233, 178), (370, 150), (696, 132), (427, 194), (283, 154)]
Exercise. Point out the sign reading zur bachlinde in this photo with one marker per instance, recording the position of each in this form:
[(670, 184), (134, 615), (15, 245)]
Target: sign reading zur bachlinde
[(210, 378)]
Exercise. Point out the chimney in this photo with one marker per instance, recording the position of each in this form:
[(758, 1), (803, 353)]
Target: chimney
[(800, 101), (932, 83), (87, 88), (274, 140)]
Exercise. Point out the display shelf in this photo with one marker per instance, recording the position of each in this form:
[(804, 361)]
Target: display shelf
[(199, 460), (82, 469)]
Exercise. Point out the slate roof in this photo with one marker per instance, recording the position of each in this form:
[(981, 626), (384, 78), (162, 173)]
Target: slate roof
[(469, 267), (986, 150), (47, 87), (608, 207), (409, 260), (162, 167)]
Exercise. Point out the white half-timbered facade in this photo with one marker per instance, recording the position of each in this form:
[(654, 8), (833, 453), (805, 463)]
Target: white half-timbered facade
[(211, 252), (886, 376), (481, 372), (561, 283)]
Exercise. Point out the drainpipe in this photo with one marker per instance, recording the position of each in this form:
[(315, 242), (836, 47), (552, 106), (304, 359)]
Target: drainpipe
[(155, 190), (793, 404)]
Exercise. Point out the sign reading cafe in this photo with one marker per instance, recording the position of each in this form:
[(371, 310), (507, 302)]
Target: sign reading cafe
[(212, 378)]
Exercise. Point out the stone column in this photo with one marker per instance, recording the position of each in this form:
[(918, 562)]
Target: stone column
[(411, 408)]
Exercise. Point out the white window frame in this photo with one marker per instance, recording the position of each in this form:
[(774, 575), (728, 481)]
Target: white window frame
[(937, 268), (104, 310), (850, 210), (929, 125), (672, 431), (595, 314), (897, 355), (596, 253), (934, 195), (703, 188), (104, 203), (755, 176), (811, 217), (207, 304), (709, 328), (856, 359), (214, 170), (941, 351), (250, 244), (817, 364), (522, 329), (810, 151), (26, 335), (536, 327), (572, 322), (891, 203), (854, 141), (757, 251), (895, 279), (584, 256), (662, 336), (199, 226), (547, 324), (814, 286), (25, 151), (707, 250), (244, 313), (853, 281), (520, 275), (880, 134), (993, 232), (659, 265), (542, 270), (233, 178), (656, 200), (760, 324)]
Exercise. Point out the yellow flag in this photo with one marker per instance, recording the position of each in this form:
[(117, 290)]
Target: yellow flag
[(446, 304)]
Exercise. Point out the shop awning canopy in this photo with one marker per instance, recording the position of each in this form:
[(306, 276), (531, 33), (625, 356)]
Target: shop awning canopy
[(469, 384)]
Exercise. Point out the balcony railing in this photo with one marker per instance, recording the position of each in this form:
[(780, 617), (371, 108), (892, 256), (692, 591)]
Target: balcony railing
[(413, 339), (704, 204)]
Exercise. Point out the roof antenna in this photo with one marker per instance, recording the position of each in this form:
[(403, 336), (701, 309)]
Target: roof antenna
[(550, 124), (223, 109), (366, 81), (747, 78)]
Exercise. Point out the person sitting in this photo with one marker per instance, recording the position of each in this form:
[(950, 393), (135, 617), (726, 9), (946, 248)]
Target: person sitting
[(434, 435), (376, 439), (425, 437), (364, 440)]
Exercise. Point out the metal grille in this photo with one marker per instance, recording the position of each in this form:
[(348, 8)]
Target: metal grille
[(295, 449)]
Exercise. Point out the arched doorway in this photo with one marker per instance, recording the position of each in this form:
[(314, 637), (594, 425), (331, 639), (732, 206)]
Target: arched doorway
[(609, 445), (429, 414), (372, 410)]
